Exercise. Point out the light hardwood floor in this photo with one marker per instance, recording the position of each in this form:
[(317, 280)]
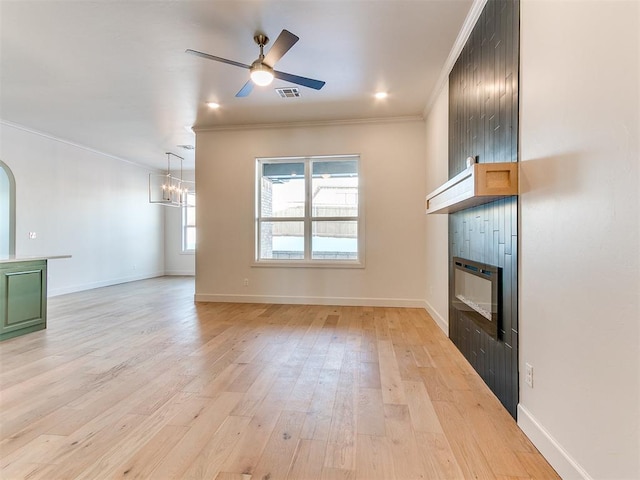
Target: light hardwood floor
[(137, 381)]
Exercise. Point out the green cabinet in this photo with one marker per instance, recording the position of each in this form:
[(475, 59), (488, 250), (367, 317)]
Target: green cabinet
[(23, 297)]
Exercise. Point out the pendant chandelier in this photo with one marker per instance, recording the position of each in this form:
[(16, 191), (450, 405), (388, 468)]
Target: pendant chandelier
[(168, 189)]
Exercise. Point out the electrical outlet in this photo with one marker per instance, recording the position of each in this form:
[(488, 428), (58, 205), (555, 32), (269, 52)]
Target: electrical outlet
[(32, 235), (528, 374), (245, 282)]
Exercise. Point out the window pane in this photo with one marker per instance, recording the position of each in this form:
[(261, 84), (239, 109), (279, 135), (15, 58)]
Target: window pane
[(189, 222), (191, 216), (282, 240), (282, 190), (335, 188), (190, 238), (334, 240)]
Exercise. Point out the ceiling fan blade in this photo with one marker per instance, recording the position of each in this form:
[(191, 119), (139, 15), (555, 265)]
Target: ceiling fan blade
[(217, 59), (283, 43), (304, 81), (246, 90)]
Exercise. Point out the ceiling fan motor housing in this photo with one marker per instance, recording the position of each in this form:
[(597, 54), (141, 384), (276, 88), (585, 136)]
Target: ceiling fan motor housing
[(261, 73), (261, 39)]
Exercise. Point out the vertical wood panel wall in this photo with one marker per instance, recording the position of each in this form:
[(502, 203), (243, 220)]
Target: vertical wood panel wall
[(483, 123)]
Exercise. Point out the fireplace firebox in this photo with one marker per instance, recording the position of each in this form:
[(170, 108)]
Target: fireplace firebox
[(477, 293)]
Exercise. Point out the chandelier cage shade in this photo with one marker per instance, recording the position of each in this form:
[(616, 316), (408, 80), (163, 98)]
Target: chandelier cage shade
[(168, 189)]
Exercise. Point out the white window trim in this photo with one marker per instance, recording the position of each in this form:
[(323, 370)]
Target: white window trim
[(183, 231), (308, 220)]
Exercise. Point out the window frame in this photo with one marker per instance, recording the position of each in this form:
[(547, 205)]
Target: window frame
[(185, 226), (308, 219)]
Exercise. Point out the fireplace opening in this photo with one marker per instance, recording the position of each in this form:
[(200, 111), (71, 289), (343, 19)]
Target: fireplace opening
[(477, 293)]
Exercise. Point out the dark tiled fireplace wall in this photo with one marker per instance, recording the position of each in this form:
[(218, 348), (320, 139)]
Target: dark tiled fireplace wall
[(483, 122)]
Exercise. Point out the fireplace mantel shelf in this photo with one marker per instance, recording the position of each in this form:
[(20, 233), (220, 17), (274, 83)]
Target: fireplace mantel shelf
[(478, 184)]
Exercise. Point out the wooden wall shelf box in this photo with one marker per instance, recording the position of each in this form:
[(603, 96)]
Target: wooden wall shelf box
[(478, 184)]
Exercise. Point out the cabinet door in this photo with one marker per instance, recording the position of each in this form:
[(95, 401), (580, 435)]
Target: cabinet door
[(23, 300)]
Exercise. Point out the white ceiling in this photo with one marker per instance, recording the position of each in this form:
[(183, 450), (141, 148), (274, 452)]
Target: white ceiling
[(113, 75)]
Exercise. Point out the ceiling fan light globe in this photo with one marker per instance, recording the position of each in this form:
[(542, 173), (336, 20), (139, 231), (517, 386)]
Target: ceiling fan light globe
[(261, 74)]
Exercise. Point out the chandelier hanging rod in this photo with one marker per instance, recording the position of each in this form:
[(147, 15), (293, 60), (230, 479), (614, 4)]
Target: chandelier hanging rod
[(168, 154)]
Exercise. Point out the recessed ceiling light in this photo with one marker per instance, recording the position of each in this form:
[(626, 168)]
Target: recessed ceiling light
[(213, 105), (381, 95)]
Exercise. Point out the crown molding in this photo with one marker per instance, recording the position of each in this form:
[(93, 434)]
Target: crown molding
[(318, 123), (48, 136)]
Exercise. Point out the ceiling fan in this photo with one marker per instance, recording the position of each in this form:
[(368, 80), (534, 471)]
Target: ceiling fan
[(261, 70)]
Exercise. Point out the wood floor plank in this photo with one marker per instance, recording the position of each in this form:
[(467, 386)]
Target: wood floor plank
[(406, 362), (145, 460), (437, 453), (308, 460), (370, 419), (244, 457), (320, 412), (85, 446), (421, 356), (423, 416), (533, 465), (180, 458), (503, 460), (109, 464), (210, 459), (408, 463), (232, 476), (302, 393), (341, 446), (468, 454), (390, 379), (330, 473), (374, 459), (136, 381), (369, 374), (31, 454), (278, 455)]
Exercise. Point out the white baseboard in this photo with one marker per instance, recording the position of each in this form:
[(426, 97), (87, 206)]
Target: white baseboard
[(342, 301), (556, 455), (441, 322), (54, 292), (180, 273)]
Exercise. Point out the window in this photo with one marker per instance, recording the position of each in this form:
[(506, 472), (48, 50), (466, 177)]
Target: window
[(189, 224), (308, 211)]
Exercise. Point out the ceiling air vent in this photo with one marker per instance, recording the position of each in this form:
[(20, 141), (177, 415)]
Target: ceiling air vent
[(288, 92)]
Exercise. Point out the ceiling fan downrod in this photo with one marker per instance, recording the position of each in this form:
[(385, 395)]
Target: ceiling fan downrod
[(261, 73)]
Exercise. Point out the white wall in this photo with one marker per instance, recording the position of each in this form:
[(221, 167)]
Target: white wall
[(85, 204), (437, 226), (392, 176), (579, 285), (176, 262)]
